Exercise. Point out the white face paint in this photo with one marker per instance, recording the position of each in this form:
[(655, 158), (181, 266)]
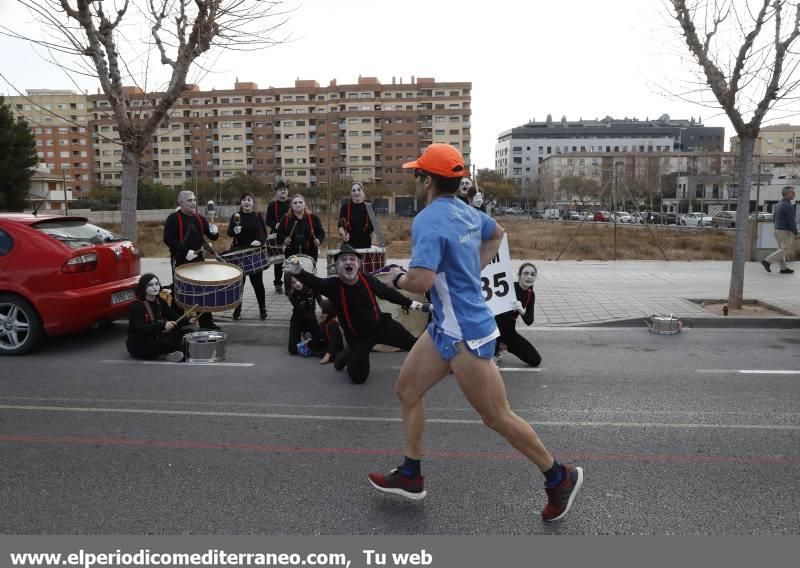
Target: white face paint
[(189, 204), (153, 288), (298, 206), (282, 193), (296, 284), (357, 193), (347, 267), (247, 204), (527, 277), (465, 186)]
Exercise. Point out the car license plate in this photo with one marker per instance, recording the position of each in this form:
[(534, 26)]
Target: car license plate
[(123, 296)]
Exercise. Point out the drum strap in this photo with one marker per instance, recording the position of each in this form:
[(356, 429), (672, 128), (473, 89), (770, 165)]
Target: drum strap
[(347, 309), (349, 226), (148, 316), (528, 299), (180, 225)]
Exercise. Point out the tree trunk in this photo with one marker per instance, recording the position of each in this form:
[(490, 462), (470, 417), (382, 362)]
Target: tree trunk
[(736, 292), (130, 188)]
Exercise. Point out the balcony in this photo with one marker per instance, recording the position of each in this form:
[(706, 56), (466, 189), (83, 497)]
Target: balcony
[(312, 128)]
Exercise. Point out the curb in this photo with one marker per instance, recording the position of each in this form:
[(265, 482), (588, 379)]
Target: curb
[(712, 323)]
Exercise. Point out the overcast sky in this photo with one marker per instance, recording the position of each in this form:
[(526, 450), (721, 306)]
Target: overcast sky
[(525, 58)]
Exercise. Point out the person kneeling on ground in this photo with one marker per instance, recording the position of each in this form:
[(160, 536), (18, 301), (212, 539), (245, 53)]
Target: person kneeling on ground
[(153, 329), (303, 324), (354, 296), (509, 338)]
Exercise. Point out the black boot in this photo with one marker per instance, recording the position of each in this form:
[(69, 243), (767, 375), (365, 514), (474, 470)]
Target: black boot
[(340, 362), (237, 312), (262, 312)]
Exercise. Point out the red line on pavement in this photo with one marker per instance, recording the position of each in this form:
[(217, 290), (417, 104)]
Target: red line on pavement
[(266, 448)]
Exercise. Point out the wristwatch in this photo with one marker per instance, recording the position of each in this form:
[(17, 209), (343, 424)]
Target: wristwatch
[(396, 281)]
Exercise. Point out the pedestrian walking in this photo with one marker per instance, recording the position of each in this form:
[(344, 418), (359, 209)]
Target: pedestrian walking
[(785, 232)]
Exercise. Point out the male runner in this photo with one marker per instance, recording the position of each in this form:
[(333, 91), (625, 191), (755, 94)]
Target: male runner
[(451, 242)]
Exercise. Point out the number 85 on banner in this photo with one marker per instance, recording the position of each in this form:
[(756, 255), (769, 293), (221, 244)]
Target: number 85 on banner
[(497, 281)]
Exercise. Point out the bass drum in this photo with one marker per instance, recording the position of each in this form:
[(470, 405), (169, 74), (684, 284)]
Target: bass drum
[(415, 321)]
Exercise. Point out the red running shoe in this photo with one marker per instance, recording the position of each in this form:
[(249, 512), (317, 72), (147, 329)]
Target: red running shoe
[(395, 482), (560, 497)]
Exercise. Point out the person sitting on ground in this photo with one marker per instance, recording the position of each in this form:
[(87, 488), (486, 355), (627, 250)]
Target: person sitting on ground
[(354, 296), (153, 329), (509, 338), (303, 324), (329, 341)]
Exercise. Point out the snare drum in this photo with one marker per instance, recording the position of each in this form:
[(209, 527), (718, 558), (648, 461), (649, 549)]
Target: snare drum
[(372, 259), (307, 262), (204, 346), (274, 249), (250, 260), (212, 286)]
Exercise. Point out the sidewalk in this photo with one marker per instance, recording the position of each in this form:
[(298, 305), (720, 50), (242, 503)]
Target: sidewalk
[(591, 292)]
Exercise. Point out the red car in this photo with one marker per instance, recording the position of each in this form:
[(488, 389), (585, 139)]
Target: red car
[(59, 275)]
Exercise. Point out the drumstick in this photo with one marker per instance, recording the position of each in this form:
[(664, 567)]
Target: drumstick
[(188, 312)]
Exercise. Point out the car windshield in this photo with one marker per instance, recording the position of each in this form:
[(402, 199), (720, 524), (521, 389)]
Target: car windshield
[(76, 232)]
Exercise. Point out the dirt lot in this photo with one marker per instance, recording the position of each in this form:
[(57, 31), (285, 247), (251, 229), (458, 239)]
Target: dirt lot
[(533, 239)]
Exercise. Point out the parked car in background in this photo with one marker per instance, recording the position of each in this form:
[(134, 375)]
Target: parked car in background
[(640, 217), (513, 211), (602, 216), (724, 220), (60, 275), (664, 219), (696, 220), (762, 216), (553, 213), (622, 217), (575, 216), (587, 216)]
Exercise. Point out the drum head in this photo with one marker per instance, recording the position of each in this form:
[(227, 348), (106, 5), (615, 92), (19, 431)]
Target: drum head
[(208, 272)]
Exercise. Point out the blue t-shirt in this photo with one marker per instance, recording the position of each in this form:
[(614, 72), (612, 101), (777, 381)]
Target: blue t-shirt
[(446, 238)]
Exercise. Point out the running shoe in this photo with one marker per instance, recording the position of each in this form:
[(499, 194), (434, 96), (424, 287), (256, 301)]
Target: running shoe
[(560, 497), (175, 357), (395, 482)]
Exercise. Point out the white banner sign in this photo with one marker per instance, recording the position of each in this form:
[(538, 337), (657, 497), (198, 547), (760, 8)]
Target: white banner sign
[(497, 281)]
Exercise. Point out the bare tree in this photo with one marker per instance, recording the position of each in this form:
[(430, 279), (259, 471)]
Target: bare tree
[(84, 37), (746, 80)]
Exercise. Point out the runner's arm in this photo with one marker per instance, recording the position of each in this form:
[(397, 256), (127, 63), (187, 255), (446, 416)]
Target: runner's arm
[(417, 280), (490, 247)]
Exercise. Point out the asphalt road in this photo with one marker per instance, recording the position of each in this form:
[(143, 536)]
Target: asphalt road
[(673, 438)]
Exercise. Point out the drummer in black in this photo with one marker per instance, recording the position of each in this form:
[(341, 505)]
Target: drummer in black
[(300, 231), (185, 232), (523, 306), (354, 295), (153, 329), (355, 226), (248, 230), (276, 211)]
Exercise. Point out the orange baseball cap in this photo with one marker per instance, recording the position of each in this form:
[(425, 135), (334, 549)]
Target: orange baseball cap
[(442, 160)]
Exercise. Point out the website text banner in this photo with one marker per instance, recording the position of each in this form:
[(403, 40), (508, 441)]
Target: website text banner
[(394, 551)]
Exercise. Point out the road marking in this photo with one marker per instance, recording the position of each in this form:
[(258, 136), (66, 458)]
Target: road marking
[(183, 364), (272, 449), (388, 419), (749, 371)]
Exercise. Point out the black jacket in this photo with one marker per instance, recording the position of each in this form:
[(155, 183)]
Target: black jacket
[(528, 299), (253, 229), (276, 211), (140, 325), (353, 217), (302, 234), (356, 305), (183, 233)]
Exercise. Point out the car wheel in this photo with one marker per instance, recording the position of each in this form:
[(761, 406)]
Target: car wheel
[(20, 326)]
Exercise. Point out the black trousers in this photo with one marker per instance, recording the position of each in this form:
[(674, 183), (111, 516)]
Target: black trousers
[(278, 274), (517, 345), (300, 324), (358, 348), (152, 347), (257, 282)]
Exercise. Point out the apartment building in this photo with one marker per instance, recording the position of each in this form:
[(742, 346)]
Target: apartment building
[(59, 123), (519, 152), (779, 140), (306, 134)]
